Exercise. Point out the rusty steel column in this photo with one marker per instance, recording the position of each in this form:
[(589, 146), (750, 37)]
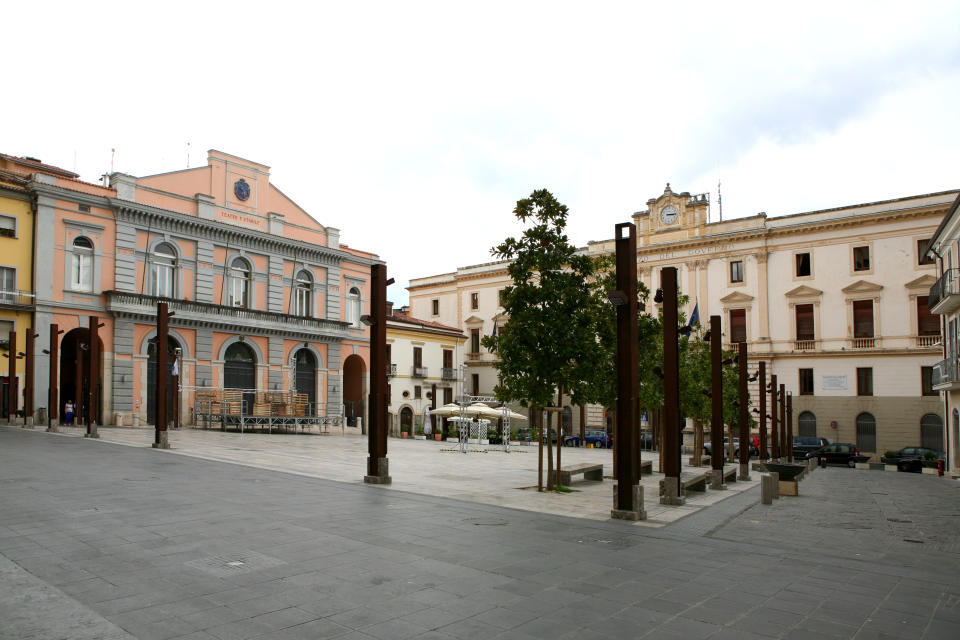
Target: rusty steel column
[(716, 404), (161, 439), (13, 400), (29, 353), (789, 427), (93, 376), (378, 466), (744, 415), (762, 386), (774, 436), (53, 393), (782, 421), (670, 418), (628, 499)]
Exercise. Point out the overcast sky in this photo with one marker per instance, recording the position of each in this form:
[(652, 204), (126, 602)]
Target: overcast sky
[(414, 127)]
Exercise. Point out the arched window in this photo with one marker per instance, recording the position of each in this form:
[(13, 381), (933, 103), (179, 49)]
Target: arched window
[(807, 424), (931, 432), (81, 265), (866, 432), (239, 282), (162, 267), (302, 294), (353, 306)]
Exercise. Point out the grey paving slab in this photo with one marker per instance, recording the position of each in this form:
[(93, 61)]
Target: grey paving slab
[(160, 546)]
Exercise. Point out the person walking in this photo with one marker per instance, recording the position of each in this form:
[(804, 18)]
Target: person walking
[(68, 412)]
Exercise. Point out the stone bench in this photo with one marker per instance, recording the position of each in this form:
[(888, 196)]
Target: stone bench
[(690, 482), (704, 461), (589, 472), (729, 474), (646, 467)]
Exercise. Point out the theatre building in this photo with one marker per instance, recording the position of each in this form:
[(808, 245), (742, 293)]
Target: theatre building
[(264, 297), (834, 301)]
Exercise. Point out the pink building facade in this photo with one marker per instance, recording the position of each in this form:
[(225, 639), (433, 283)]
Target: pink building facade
[(265, 297)]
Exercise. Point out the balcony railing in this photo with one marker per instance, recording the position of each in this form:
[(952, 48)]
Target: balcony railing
[(448, 373), (16, 298), (124, 301), (865, 343), (804, 345), (928, 341), (944, 295), (419, 372), (391, 370), (944, 373)]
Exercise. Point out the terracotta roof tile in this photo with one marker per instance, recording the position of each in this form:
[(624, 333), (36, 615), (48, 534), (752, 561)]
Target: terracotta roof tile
[(399, 316)]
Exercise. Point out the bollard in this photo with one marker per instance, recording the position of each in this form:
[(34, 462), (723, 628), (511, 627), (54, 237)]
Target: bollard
[(775, 480), (766, 488)]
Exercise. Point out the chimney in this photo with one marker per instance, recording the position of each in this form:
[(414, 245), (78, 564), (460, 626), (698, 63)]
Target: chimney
[(389, 309)]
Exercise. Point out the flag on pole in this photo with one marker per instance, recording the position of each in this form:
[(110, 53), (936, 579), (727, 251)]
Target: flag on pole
[(175, 369), (695, 316), (494, 333)]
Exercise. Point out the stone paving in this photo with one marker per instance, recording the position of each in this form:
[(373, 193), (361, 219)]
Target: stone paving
[(102, 540), (485, 474)]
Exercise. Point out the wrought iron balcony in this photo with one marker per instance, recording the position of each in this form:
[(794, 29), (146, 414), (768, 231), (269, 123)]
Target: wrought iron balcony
[(20, 299), (944, 295), (944, 374), (419, 372), (194, 313), (448, 373)]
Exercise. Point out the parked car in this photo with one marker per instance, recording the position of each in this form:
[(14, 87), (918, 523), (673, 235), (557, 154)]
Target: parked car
[(599, 439), (802, 445), (911, 458), (839, 453), (754, 446)]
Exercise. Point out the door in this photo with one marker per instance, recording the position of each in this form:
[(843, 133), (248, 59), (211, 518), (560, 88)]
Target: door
[(306, 377), (152, 381), (240, 372)]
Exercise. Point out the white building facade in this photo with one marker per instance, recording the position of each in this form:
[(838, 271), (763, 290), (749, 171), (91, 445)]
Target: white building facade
[(834, 301)]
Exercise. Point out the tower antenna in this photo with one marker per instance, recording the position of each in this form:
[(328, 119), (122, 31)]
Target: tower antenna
[(720, 200)]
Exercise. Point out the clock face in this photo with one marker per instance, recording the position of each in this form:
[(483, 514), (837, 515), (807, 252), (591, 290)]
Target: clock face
[(668, 214)]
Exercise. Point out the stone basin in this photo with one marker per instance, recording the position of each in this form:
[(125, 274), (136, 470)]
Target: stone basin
[(786, 471)]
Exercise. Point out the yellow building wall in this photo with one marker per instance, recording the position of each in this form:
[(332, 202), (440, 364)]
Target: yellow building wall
[(16, 252)]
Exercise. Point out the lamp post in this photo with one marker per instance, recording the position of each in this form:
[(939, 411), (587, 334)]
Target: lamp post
[(378, 466), (628, 496)]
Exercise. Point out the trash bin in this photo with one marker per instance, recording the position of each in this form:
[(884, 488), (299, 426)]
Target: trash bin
[(118, 419)]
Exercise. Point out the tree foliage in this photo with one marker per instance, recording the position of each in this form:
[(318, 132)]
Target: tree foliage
[(550, 338)]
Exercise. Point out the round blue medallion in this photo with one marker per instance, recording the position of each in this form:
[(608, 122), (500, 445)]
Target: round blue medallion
[(241, 189)]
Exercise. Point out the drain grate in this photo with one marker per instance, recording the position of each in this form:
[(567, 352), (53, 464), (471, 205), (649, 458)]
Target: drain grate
[(234, 563)]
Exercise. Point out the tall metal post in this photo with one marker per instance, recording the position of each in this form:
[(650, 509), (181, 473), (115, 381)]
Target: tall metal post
[(161, 439), (13, 401), (744, 426), (93, 377), (774, 437), (378, 466), (53, 393), (783, 421), (716, 404), (628, 499), (789, 427), (762, 382), (29, 353), (670, 419)]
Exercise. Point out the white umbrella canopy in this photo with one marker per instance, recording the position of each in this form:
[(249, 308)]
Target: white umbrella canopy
[(475, 410), (447, 410)]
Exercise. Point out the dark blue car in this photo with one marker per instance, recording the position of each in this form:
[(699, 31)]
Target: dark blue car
[(599, 440)]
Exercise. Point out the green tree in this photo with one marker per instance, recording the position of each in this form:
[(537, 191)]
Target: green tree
[(550, 337)]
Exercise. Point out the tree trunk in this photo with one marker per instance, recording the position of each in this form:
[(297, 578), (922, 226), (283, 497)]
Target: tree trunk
[(697, 442), (538, 428), (550, 479)]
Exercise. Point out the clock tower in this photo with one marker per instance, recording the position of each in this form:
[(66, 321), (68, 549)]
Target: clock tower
[(672, 216)]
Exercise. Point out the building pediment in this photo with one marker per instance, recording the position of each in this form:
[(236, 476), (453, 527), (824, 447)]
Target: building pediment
[(803, 291), (735, 297), (862, 286), (923, 282), (473, 320)]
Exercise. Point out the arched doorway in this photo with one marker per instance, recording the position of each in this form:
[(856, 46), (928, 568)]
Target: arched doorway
[(807, 424), (406, 419), (866, 432), (931, 432), (240, 372), (172, 344), (353, 369), (74, 382), (305, 377)]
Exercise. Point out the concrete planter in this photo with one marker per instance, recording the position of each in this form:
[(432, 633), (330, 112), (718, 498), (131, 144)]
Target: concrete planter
[(862, 465), (419, 437), (929, 471), (518, 443), (889, 467), (876, 466)]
